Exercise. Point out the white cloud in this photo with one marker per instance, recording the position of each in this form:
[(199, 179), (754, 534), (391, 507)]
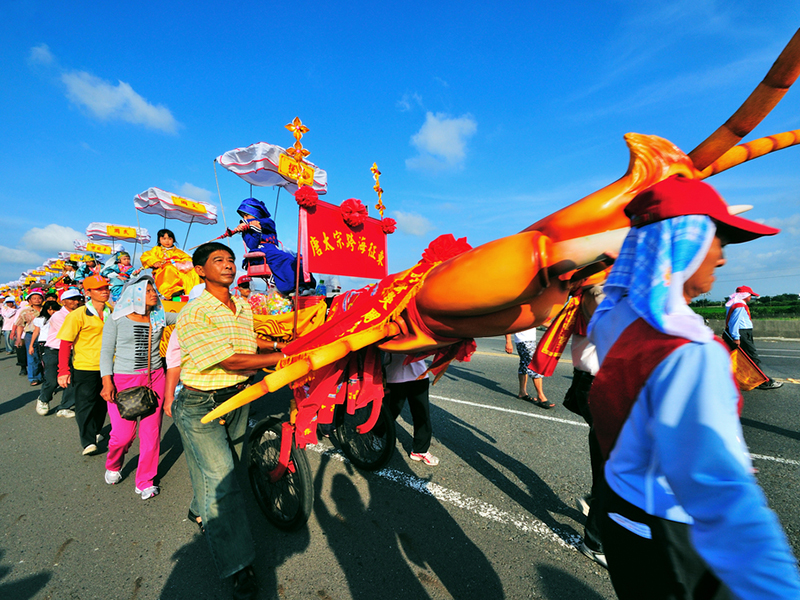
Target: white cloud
[(52, 238), (107, 101), (442, 142), (409, 101), (411, 223), (15, 256), (196, 193), (790, 224), (41, 55)]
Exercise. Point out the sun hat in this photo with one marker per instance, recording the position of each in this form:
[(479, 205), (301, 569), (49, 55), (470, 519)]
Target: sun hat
[(10, 299), (36, 291), (747, 290), (94, 282), (71, 293), (677, 195)]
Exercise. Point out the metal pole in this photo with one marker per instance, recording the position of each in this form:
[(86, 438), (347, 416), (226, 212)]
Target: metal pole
[(297, 278), (186, 239), (275, 214)]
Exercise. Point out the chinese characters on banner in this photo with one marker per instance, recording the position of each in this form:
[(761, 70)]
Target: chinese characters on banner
[(334, 248)]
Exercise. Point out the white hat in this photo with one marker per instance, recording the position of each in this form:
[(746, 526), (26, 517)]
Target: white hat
[(10, 299), (71, 293)]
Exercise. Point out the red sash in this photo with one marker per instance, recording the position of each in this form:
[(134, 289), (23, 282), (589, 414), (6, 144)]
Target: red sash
[(730, 312), (625, 370)]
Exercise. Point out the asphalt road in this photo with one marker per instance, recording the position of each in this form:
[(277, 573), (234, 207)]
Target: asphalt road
[(496, 519)]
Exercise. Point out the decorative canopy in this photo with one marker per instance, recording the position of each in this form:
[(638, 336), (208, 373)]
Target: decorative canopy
[(155, 201), (107, 231), (266, 165)]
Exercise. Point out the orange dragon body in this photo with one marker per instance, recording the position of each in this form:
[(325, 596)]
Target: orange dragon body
[(527, 277)]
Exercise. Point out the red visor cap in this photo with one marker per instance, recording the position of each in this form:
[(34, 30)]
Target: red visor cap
[(747, 290), (677, 196)]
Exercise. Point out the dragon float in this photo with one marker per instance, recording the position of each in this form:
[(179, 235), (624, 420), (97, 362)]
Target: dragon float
[(433, 309)]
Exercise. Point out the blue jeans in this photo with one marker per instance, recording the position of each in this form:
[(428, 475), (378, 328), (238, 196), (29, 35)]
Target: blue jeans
[(34, 361), (9, 344), (218, 499)]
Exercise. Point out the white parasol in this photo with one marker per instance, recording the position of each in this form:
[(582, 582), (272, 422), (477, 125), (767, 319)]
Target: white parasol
[(155, 201), (267, 165)]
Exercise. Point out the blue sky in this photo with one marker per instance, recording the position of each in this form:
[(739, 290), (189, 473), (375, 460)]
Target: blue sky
[(483, 117)]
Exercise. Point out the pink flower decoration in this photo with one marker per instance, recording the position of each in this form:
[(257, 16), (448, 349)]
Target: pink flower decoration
[(388, 225), (306, 196), (354, 212)]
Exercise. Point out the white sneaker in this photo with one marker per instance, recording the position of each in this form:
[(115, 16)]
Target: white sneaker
[(42, 408), (112, 477), (583, 504), (90, 449), (148, 493), (426, 457), (596, 556), (67, 413)]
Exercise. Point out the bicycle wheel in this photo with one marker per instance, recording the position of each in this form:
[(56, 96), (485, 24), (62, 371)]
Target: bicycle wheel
[(371, 450), (287, 502)]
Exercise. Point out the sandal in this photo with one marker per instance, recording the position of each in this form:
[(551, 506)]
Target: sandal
[(526, 398), (542, 403), (196, 520)]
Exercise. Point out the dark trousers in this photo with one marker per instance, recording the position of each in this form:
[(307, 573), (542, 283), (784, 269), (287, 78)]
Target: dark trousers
[(50, 385), (664, 567), (90, 408), (22, 357), (748, 345), (416, 392), (579, 390)]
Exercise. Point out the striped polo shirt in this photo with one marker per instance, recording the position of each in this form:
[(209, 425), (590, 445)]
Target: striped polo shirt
[(209, 333)]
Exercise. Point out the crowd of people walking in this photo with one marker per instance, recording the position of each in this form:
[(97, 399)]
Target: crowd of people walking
[(674, 509)]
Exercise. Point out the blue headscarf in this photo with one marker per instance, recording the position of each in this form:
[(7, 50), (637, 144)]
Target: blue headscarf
[(133, 300), (654, 263)]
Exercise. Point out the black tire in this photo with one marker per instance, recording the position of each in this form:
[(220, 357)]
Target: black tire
[(287, 502), (371, 450)]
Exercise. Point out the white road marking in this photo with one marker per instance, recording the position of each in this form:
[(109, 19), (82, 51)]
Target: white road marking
[(525, 523), (786, 461), (512, 411)]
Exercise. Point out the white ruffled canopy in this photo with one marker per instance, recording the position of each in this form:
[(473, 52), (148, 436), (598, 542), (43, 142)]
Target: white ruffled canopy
[(155, 201), (258, 164), (100, 231)]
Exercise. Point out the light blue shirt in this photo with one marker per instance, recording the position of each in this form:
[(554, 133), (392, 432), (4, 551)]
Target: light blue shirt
[(681, 456), (739, 320)]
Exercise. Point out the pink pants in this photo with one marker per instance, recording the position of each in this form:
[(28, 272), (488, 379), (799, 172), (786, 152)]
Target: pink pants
[(123, 432)]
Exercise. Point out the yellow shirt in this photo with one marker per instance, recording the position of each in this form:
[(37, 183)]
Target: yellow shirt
[(85, 330), (209, 332)]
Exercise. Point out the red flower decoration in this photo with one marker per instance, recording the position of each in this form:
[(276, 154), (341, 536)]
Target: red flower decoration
[(354, 212), (388, 225), (445, 247), (306, 196)]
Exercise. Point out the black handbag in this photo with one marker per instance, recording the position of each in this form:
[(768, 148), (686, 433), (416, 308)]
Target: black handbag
[(140, 401)]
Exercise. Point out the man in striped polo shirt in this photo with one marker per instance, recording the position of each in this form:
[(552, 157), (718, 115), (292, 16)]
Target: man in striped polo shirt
[(219, 355)]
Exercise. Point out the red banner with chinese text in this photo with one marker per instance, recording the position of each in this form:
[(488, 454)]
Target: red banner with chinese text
[(332, 247)]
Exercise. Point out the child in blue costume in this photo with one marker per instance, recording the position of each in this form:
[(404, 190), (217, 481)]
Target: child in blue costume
[(259, 234), (118, 270)]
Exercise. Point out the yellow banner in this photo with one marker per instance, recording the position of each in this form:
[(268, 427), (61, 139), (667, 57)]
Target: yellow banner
[(59, 264), (99, 248), (189, 205), (76, 257), (120, 232), (39, 272), (288, 167)]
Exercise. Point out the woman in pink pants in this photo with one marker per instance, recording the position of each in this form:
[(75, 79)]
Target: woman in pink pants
[(137, 317)]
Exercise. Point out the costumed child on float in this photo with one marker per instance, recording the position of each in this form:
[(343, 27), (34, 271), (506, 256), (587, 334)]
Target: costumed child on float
[(259, 235), (87, 269), (172, 267), (118, 270)]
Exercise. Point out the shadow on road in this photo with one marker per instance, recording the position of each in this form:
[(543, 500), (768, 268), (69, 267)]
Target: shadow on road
[(472, 446), (18, 402), (453, 372), (560, 585), (375, 542), (24, 589), (770, 428)]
